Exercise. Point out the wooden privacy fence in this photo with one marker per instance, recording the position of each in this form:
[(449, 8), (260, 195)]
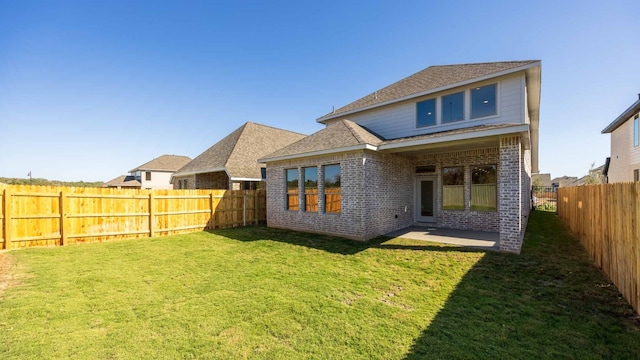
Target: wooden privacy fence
[(55, 216), (605, 220)]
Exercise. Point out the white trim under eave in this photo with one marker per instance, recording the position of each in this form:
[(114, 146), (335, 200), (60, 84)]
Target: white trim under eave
[(322, 120), (244, 179), (456, 137), (201, 172), (320, 153)]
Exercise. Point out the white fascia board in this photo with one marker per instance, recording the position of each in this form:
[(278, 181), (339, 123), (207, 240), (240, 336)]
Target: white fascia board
[(201, 172), (432, 91), (457, 137), (244, 179), (320, 153)]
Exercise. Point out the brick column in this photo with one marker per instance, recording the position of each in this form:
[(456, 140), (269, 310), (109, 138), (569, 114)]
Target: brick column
[(509, 195)]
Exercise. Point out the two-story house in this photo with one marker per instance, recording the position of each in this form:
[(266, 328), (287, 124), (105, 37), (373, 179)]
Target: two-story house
[(624, 163), (450, 146), (156, 174)]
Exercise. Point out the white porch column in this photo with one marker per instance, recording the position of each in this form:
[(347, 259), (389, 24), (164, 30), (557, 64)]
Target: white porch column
[(509, 194)]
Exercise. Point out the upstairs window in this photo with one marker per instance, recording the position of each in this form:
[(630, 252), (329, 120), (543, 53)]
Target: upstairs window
[(331, 188), (453, 107), (426, 113), (636, 130), (292, 189), (483, 101), (483, 188), (147, 175), (311, 189), (453, 188)]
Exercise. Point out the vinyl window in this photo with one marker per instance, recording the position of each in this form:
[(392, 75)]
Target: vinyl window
[(453, 188), (332, 197)]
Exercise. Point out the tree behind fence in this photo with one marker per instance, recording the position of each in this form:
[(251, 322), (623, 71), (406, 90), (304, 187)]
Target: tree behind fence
[(605, 220), (54, 216)]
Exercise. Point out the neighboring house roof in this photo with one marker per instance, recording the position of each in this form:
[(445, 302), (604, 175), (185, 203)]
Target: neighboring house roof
[(633, 109), (123, 181), (541, 180), (345, 135), (564, 181), (238, 152), (430, 80), (167, 163)]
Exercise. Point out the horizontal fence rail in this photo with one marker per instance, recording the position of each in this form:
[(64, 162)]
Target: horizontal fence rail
[(56, 216), (604, 218)]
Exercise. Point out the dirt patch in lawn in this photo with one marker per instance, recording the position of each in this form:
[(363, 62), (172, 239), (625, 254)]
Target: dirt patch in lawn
[(7, 272)]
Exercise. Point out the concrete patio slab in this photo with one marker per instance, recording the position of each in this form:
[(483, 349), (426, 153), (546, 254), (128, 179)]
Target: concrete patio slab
[(466, 238)]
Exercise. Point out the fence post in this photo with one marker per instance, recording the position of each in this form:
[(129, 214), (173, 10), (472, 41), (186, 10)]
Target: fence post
[(151, 215), (6, 210), (212, 219), (244, 208), (63, 217), (256, 204)]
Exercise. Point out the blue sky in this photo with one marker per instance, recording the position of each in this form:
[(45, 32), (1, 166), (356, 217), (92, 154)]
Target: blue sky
[(90, 90)]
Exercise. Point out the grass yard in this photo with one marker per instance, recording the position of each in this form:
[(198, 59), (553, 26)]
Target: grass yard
[(272, 294)]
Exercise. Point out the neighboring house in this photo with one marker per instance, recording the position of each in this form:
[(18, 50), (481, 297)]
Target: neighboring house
[(155, 174), (541, 180), (564, 181), (232, 162), (450, 146), (624, 163), (123, 182)]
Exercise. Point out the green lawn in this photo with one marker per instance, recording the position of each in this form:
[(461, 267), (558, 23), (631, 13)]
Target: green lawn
[(272, 294)]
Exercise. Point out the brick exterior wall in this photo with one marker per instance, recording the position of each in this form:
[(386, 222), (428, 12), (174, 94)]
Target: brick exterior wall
[(191, 181), (376, 196), (214, 180), (509, 194), (378, 193)]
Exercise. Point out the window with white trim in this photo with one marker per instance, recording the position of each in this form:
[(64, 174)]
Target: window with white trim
[(483, 101)]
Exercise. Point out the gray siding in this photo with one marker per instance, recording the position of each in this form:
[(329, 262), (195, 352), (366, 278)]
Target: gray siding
[(398, 120)]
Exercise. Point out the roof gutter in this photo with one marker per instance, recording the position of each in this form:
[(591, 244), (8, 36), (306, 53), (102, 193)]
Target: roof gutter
[(623, 117), (326, 118), (320, 152)]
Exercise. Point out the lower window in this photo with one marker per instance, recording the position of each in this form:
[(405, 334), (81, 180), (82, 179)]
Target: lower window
[(311, 189), (453, 188), (292, 189), (483, 188), (331, 188)]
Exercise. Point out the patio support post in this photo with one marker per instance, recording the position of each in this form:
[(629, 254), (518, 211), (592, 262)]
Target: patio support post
[(509, 194)]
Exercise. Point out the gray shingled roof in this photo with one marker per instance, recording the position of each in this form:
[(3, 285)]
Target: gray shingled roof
[(344, 134), (169, 163), (239, 151), (339, 135), (123, 181), (429, 79)]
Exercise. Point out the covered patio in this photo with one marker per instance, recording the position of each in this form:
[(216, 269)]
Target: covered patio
[(466, 238)]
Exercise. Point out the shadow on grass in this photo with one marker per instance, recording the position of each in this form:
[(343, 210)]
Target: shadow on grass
[(331, 244), (548, 302)]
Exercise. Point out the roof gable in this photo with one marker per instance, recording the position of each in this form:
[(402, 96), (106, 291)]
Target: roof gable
[(431, 79), (338, 136), (238, 152), (164, 163)]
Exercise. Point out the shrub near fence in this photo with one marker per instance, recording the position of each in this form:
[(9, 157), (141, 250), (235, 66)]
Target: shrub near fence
[(54, 216), (605, 220)]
